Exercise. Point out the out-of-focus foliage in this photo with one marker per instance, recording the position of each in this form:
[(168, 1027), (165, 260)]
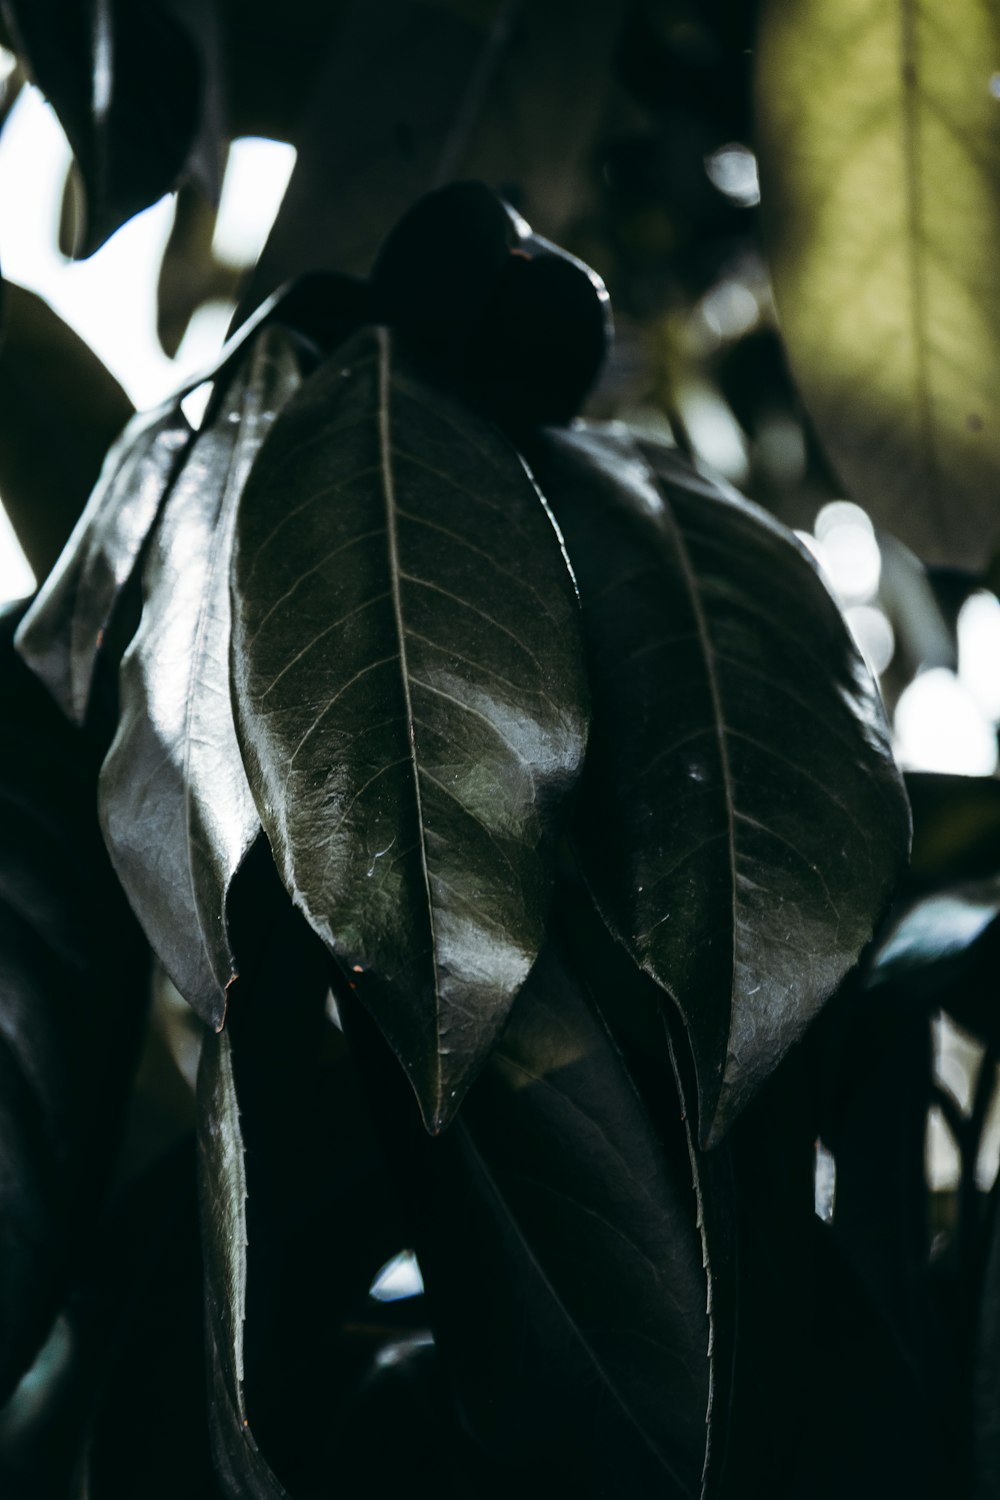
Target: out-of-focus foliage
[(879, 137)]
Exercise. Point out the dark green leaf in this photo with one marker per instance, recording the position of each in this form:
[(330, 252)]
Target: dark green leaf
[(519, 326), (72, 998), (409, 693), (124, 81), (63, 632), (222, 1178), (743, 823), (61, 410), (562, 1257), (173, 781)]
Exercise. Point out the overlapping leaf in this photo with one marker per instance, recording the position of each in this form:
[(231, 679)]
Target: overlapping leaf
[(177, 813), (408, 682), (879, 142), (744, 823), (61, 636), (562, 1257), (124, 81)]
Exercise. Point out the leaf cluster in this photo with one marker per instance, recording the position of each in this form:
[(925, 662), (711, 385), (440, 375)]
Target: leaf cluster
[(509, 801)]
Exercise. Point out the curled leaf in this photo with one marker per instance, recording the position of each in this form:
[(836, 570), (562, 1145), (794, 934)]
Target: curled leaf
[(177, 813), (62, 634)]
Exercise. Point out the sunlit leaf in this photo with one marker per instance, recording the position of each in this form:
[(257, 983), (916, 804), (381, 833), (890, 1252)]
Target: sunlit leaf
[(743, 823), (64, 630), (124, 81), (408, 681), (879, 140), (177, 812), (72, 1000), (59, 411), (67, 627)]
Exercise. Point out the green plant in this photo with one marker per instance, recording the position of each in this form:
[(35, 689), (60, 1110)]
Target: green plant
[(510, 801)]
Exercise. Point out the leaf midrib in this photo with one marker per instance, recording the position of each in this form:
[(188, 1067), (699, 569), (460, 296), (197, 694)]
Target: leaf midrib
[(708, 656), (395, 579), (194, 678)]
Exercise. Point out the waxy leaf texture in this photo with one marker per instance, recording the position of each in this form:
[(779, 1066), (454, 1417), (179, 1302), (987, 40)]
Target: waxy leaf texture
[(177, 812), (743, 822), (410, 698)]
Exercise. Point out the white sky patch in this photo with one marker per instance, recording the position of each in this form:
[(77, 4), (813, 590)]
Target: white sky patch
[(256, 177), (848, 551), (17, 580), (979, 650), (940, 727), (733, 170), (399, 1279)]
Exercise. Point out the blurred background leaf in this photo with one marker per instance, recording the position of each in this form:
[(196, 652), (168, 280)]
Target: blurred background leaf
[(878, 130)]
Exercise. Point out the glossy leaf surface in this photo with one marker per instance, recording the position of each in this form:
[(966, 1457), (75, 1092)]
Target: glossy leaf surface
[(130, 129), (62, 633), (177, 812), (879, 144), (743, 823), (72, 999), (408, 682), (561, 1254)]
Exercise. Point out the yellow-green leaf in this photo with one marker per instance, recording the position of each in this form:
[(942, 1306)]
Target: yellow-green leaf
[(879, 138)]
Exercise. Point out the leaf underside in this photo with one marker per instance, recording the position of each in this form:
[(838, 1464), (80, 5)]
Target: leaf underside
[(879, 144), (177, 812), (408, 683), (742, 822), (61, 635)]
